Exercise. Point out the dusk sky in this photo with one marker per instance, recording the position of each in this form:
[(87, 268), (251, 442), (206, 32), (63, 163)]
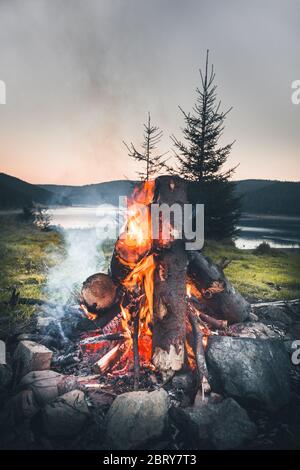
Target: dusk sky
[(81, 76)]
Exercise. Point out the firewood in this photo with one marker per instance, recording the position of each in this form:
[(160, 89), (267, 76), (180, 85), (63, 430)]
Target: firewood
[(211, 321), (99, 293), (169, 287), (217, 292), (199, 354), (118, 269), (136, 356), (105, 362), (107, 316), (99, 338)]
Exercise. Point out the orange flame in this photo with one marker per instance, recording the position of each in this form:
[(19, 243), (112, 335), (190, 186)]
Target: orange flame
[(136, 239), (132, 248), (91, 316)]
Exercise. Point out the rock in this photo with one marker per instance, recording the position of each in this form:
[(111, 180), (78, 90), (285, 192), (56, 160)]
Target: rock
[(43, 324), (275, 314), (2, 353), (288, 344), (44, 385), (184, 381), (250, 370), (23, 406), (212, 398), (223, 425), (5, 377), (136, 417), (46, 340), (254, 330), (66, 415), (31, 356)]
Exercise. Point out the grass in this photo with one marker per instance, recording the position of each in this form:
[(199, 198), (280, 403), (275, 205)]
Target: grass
[(269, 276), (266, 274), (26, 253)]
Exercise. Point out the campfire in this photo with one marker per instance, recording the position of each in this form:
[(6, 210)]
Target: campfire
[(161, 346), (159, 303)]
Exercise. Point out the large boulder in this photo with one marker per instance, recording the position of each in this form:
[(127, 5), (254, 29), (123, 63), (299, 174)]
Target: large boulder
[(223, 425), (135, 418), (66, 415), (250, 370)]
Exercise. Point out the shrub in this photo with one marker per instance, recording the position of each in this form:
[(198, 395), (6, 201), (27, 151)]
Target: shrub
[(263, 249)]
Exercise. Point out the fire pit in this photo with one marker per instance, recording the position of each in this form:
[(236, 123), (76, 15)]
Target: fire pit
[(167, 302), (160, 348)]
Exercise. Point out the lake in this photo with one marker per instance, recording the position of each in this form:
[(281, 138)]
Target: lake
[(278, 231)]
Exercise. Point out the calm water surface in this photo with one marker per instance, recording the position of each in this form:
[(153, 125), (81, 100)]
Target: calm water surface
[(278, 231)]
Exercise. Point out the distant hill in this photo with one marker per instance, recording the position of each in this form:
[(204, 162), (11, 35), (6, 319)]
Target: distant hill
[(257, 196), (15, 193), (269, 197), (92, 194), (245, 186)]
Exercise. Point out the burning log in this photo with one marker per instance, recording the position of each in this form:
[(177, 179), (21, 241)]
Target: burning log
[(99, 338), (199, 354), (136, 356), (106, 361), (170, 304), (217, 292), (211, 321), (99, 293)]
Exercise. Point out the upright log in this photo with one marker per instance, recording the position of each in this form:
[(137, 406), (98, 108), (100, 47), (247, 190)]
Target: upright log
[(170, 305), (217, 292)]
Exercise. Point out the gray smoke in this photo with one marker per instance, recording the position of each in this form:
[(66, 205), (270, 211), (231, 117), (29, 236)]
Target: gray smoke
[(83, 257)]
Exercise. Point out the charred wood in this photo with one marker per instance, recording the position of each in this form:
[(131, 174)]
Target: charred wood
[(211, 321), (199, 354), (217, 292)]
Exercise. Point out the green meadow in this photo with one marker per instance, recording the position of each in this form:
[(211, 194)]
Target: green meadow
[(26, 254)]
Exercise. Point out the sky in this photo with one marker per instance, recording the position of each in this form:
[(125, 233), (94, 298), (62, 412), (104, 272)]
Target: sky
[(81, 76)]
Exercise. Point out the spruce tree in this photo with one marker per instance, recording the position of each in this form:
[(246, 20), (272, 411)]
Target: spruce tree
[(201, 158), (152, 161)]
